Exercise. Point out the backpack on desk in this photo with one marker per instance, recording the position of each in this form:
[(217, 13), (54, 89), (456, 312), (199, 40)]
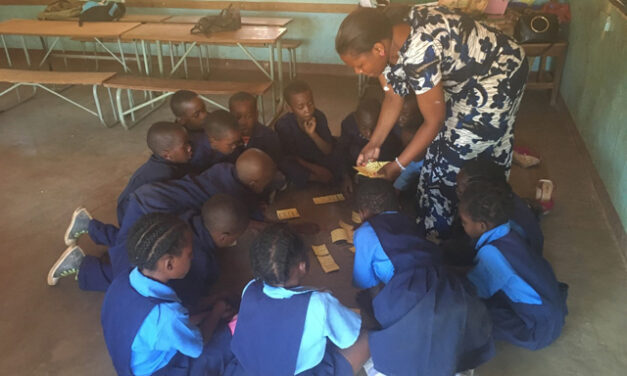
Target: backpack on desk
[(101, 11), (228, 19), (61, 10)]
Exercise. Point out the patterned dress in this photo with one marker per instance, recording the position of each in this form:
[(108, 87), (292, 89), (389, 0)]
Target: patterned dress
[(483, 73)]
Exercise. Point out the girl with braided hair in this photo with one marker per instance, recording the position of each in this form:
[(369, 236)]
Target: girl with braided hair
[(524, 298), (145, 326), (284, 328)]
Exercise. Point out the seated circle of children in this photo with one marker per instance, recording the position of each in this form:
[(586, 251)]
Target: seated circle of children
[(428, 315), (409, 120), (210, 144), (146, 329), (306, 139), (284, 328), (171, 152), (525, 300)]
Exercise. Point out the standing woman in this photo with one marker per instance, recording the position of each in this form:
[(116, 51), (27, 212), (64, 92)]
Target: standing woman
[(468, 80)]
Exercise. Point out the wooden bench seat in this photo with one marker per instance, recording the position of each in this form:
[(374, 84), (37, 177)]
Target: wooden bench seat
[(167, 87), (39, 79)]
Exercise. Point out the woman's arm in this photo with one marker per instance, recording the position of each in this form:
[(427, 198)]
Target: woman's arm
[(390, 110), (433, 108)]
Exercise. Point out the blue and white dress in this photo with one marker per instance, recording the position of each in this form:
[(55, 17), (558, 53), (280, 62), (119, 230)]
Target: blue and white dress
[(483, 73)]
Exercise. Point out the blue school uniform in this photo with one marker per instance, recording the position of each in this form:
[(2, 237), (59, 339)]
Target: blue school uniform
[(204, 269), (203, 155), (292, 331), (432, 324), (265, 139), (527, 225), (296, 143), (351, 142), (147, 331), (525, 300)]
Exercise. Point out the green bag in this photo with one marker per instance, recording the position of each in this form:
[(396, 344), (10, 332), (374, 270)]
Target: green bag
[(61, 10)]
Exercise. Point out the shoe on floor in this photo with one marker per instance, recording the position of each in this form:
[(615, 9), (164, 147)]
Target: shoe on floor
[(525, 158), (67, 264), (79, 225)]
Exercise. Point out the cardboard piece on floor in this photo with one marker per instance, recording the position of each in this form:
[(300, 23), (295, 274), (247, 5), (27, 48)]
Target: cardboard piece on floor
[(352, 249), (371, 169), (355, 217), (287, 213), (328, 199), (342, 234), (320, 250), (328, 263)]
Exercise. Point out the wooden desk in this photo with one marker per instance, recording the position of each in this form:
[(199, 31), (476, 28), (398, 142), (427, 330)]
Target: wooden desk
[(145, 18), (543, 79), (58, 29), (251, 21)]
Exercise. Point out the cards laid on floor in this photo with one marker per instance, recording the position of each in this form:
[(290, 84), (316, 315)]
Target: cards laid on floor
[(324, 258), (371, 169), (342, 234), (355, 217), (328, 199), (287, 213)]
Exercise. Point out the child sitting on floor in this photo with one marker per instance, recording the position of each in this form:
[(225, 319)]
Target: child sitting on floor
[(418, 303), (208, 146), (306, 139), (222, 220), (525, 300), (171, 152), (409, 120), (284, 328), (146, 329)]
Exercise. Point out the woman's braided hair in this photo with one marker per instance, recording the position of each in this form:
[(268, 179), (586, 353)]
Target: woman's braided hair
[(274, 253), (488, 201), (153, 236)]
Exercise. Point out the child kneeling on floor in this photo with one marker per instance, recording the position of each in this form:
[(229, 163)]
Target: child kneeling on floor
[(525, 300), (417, 302), (146, 329), (284, 328)]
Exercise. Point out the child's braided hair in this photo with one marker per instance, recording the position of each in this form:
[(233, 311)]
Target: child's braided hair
[(153, 236), (488, 201), (274, 253)]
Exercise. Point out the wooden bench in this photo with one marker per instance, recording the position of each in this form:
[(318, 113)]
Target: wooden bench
[(291, 45), (543, 79), (167, 87), (40, 79)]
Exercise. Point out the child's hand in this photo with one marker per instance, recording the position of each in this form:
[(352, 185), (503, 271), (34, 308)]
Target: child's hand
[(390, 171), (310, 125)]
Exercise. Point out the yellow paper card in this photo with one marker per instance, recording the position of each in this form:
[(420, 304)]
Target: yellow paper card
[(339, 235), (328, 263), (328, 199), (371, 169), (320, 250), (287, 213), (352, 249), (355, 217)]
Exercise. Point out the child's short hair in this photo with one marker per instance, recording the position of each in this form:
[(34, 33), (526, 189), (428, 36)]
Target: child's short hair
[(482, 169), (488, 201), (225, 214), (376, 196), (275, 252), (177, 100), (411, 113), (219, 123), (367, 113), (155, 235), (295, 87), (160, 136), (242, 96)]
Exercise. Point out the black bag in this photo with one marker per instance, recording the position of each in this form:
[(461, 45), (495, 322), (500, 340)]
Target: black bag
[(228, 19), (537, 27), (101, 11)]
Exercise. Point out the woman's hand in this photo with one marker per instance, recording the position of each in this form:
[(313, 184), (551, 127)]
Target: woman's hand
[(390, 171), (370, 152)]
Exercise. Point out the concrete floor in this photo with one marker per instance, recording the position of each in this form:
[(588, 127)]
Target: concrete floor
[(54, 158)]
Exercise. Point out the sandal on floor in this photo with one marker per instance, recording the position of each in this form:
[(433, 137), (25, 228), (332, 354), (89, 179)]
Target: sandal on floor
[(544, 195), (524, 157)]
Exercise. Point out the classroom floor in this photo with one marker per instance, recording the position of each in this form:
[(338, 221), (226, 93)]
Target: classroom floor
[(54, 158)]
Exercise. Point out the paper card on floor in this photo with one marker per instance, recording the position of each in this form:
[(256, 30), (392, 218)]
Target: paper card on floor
[(328, 199), (349, 231), (287, 213), (355, 217), (328, 263), (352, 249), (339, 235), (371, 169), (320, 250)]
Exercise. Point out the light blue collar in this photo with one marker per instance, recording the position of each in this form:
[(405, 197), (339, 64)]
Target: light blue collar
[(150, 288), (492, 235), (276, 292)]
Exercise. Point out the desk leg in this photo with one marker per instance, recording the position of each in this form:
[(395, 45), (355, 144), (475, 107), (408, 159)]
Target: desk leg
[(200, 60), (279, 52), (171, 49), (138, 60), (122, 56), (54, 42), (146, 66), (26, 55), (160, 58), (557, 76), (6, 51), (274, 89), (184, 61), (183, 58)]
